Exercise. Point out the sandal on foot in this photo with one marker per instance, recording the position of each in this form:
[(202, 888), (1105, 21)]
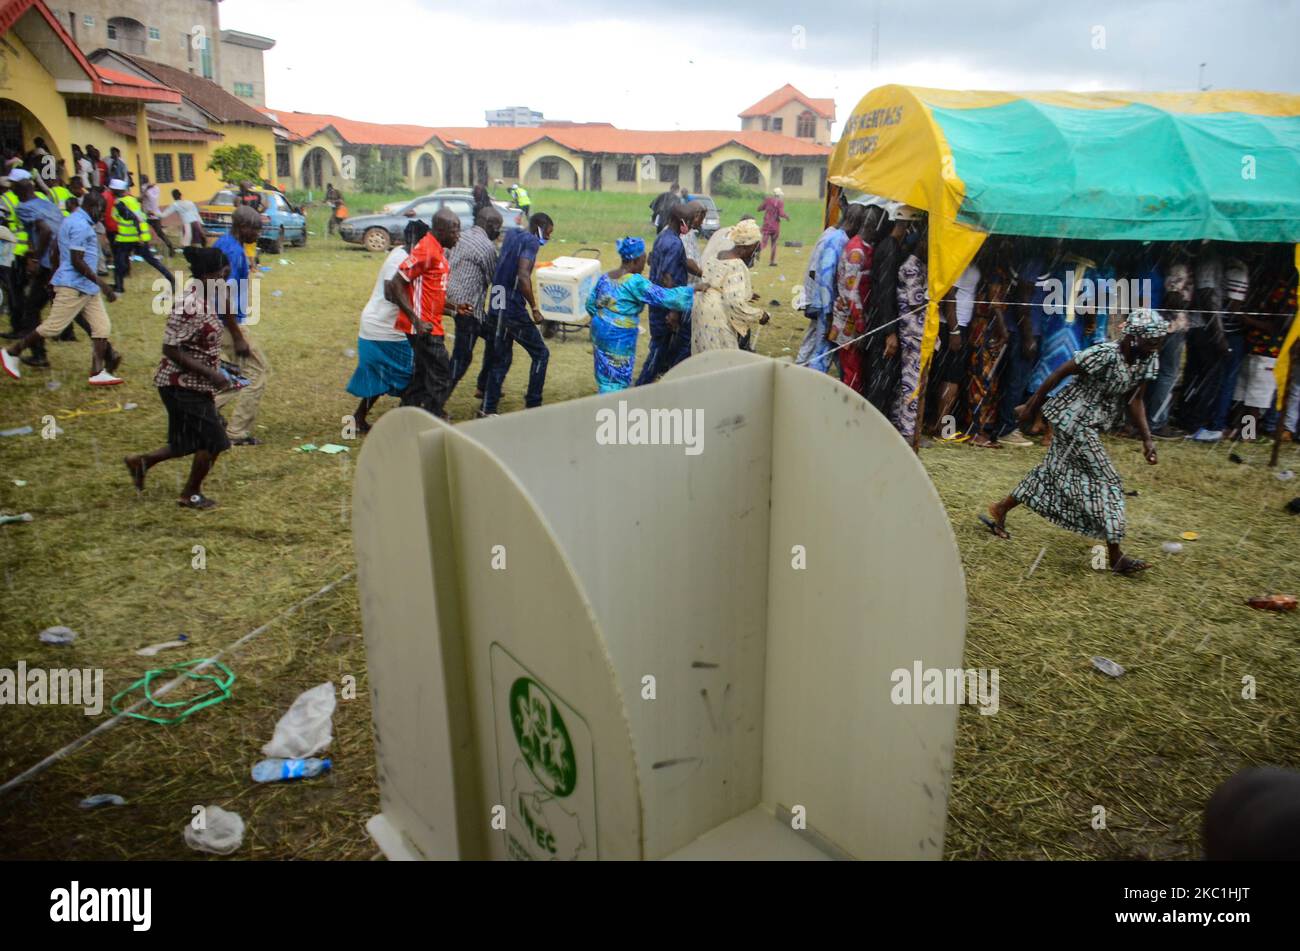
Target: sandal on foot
[(995, 528), (1129, 566), (197, 501)]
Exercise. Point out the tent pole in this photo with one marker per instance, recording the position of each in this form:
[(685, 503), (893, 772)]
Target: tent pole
[(922, 386), (1281, 419)]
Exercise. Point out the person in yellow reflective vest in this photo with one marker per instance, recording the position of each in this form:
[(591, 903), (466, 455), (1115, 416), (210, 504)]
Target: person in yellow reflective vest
[(18, 268), (131, 237), (519, 195)]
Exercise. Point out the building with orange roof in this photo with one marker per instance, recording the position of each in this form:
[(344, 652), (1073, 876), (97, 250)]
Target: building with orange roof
[(48, 87), (789, 112), (319, 149)]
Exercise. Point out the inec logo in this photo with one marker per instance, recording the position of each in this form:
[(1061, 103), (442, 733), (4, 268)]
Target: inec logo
[(542, 737)]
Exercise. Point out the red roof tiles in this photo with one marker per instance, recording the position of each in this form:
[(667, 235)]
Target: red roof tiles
[(774, 101)]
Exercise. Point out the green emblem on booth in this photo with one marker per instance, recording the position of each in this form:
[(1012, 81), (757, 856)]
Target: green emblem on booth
[(542, 736)]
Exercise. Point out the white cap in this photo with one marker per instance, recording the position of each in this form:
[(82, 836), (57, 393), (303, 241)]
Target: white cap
[(777, 192), (117, 185), (19, 174), (906, 213)]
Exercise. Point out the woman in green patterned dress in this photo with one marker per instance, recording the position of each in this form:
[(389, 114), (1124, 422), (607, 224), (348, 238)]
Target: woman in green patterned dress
[(1076, 486)]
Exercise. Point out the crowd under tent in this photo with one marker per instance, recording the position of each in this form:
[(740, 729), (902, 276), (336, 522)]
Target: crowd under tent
[(1097, 166)]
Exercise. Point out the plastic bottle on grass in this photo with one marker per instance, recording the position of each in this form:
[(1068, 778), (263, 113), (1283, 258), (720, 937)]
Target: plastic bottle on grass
[(278, 770)]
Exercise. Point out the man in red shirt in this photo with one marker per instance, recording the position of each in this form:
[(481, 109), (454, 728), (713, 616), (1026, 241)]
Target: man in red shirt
[(419, 289)]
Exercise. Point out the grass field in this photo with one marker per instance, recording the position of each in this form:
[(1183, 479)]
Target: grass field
[(121, 570)]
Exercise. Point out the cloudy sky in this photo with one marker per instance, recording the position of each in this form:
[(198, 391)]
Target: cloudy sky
[(694, 64)]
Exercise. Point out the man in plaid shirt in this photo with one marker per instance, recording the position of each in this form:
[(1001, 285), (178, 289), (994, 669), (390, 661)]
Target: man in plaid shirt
[(473, 262)]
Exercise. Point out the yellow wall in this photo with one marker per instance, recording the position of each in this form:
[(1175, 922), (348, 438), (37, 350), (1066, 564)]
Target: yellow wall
[(328, 143), (570, 173), (32, 88), (734, 152)]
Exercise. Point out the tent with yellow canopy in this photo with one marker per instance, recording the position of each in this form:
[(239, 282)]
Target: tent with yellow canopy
[(1098, 166)]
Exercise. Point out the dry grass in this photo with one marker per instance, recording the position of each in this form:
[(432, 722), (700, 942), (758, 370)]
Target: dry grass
[(1149, 747)]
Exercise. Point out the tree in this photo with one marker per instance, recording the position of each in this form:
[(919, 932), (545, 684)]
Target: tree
[(237, 163), (378, 175)]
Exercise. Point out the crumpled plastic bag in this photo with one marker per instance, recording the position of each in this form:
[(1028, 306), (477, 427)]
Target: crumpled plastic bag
[(222, 834), (306, 729)]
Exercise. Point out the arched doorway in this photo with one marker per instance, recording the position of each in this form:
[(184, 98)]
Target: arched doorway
[(19, 129), (737, 172), (319, 169), (552, 171), (127, 36), (426, 176)]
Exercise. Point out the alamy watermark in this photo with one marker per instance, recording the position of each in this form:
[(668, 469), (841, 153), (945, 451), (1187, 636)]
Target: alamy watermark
[(1109, 294), (61, 686), (947, 686), (220, 297), (651, 427)]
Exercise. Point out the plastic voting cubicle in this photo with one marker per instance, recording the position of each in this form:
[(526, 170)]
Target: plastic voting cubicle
[(658, 623)]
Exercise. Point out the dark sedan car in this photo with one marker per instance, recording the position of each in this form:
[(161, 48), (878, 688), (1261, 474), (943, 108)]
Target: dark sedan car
[(380, 232)]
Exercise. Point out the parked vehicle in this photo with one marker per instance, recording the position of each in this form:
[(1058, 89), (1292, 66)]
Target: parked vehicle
[(712, 216), (282, 223), (380, 232)]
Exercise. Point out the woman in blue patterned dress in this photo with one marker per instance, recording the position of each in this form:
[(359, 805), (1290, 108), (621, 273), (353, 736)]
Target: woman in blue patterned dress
[(1076, 486), (615, 305)]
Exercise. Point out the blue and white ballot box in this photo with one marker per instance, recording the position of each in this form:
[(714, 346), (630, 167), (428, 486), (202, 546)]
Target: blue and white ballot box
[(562, 286)]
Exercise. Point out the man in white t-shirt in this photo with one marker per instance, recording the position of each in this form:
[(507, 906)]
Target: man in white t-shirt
[(384, 356), (186, 214), (152, 213)]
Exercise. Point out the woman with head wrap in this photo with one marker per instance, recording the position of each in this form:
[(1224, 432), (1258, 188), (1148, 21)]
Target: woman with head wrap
[(615, 305), (724, 313), (1076, 486)]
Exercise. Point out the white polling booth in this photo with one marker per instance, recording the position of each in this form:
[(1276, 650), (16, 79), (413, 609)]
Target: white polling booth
[(582, 644)]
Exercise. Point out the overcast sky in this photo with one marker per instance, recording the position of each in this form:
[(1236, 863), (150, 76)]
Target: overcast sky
[(694, 64)]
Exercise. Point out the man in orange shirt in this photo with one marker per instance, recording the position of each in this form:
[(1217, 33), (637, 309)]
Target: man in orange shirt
[(419, 289)]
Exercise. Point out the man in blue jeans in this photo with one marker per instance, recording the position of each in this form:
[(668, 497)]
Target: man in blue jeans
[(516, 318)]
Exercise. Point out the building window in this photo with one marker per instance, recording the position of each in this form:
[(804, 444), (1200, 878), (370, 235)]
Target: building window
[(668, 173), (244, 89), (778, 124), (766, 122), (807, 126), (627, 171), (792, 175), (748, 174), (88, 22), (187, 166), (162, 169), (282, 168), (510, 168), (550, 170), (155, 33), (112, 30)]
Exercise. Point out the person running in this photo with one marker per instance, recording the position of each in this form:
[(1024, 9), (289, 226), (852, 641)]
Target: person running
[(473, 265), (237, 345), (131, 236), (615, 305), (334, 199), (1076, 486), (153, 213), (187, 215), (511, 323), (773, 209), (77, 291), (384, 356), (41, 220), (419, 289), (519, 195), (188, 377)]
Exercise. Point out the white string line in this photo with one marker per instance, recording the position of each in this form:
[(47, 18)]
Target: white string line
[(107, 725)]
